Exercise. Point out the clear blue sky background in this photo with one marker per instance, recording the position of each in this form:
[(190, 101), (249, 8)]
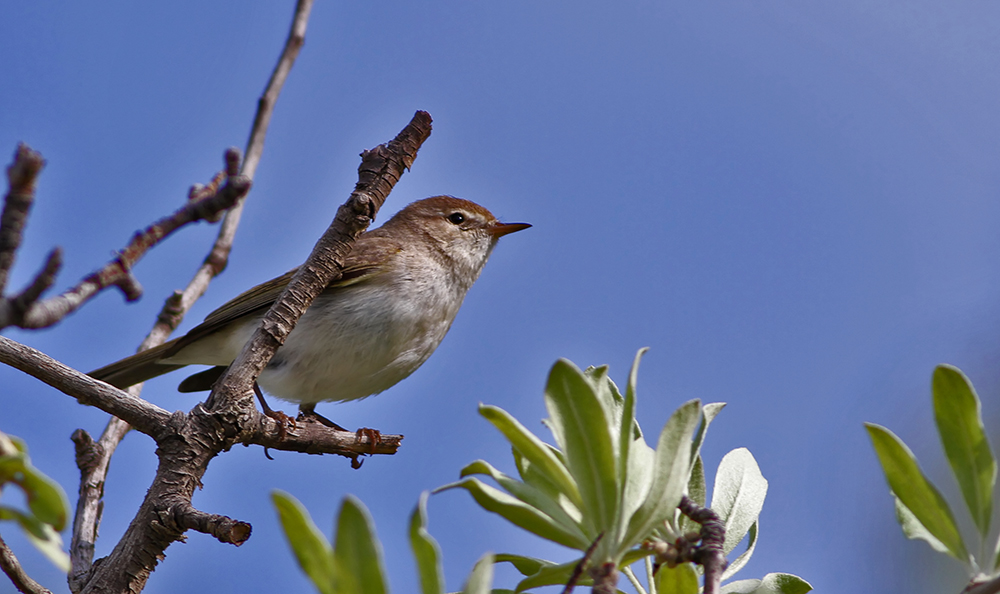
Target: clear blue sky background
[(793, 204)]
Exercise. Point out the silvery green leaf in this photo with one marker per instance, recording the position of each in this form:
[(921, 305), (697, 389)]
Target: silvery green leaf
[(481, 578), (541, 456), (587, 444), (518, 513), (569, 520), (738, 494), (959, 418), (739, 562), (426, 551), (915, 491), (670, 474), (913, 529), (312, 550), (357, 552)]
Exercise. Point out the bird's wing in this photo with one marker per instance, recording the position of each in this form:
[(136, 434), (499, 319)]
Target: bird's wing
[(364, 262)]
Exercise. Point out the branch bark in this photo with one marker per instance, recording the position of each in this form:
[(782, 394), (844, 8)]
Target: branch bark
[(12, 567)]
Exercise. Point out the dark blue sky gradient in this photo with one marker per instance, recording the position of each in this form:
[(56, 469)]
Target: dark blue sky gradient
[(793, 204)]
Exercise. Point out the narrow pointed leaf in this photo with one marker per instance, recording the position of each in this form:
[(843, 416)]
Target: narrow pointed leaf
[(959, 420), (426, 551), (738, 494), (914, 530), (682, 579), (46, 498), (538, 453), (518, 513), (357, 553), (915, 492), (40, 534), (481, 579), (671, 466), (708, 414), (525, 565), (739, 562), (551, 575), (312, 550), (576, 410), (627, 434), (531, 496)]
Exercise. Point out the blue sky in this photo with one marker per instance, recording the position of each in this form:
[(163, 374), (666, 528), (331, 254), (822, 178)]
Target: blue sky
[(793, 204)]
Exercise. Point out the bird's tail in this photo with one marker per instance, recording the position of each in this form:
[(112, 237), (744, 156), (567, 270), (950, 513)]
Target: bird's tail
[(139, 367)]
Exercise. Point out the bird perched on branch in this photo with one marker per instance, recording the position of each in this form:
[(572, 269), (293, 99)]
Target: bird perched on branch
[(401, 288)]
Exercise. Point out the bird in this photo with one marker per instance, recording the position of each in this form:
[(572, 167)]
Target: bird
[(402, 286)]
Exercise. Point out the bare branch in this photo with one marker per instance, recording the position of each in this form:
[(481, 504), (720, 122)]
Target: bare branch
[(144, 416), (118, 272), (12, 567), (21, 176), (224, 529), (311, 437)]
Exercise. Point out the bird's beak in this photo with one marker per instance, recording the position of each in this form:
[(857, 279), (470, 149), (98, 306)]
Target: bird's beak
[(500, 229)]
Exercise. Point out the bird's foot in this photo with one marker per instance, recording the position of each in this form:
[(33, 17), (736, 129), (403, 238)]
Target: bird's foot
[(284, 421), (374, 437)]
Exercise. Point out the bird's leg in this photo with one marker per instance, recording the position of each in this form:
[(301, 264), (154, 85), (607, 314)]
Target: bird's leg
[(282, 419), (307, 412)]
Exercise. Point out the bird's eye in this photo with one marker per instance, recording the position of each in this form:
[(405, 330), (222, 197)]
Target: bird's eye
[(457, 218)]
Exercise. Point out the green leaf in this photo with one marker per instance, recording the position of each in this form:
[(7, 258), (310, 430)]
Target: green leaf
[(960, 424), (481, 578), (682, 579), (551, 575), (708, 414), (670, 474), (915, 492), (518, 513), (628, 430), (525, 565), (425, 550), (312, 549), (738, 494), (567, 516), (40, 534), (46, 499), (575, 410), (913, 529), (697, 491), (357, 553), (783, 583), (740, 587), (544, 461), (741, 561)]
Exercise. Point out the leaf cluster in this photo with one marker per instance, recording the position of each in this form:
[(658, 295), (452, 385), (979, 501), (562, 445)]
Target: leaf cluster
[(922, 512)]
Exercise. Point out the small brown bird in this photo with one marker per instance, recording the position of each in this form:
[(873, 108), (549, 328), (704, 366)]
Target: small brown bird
[(402, 286)]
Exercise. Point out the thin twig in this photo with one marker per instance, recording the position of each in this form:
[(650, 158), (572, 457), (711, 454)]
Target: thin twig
[(581, 564), (118, 272), (12, 567), (21, 176)]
